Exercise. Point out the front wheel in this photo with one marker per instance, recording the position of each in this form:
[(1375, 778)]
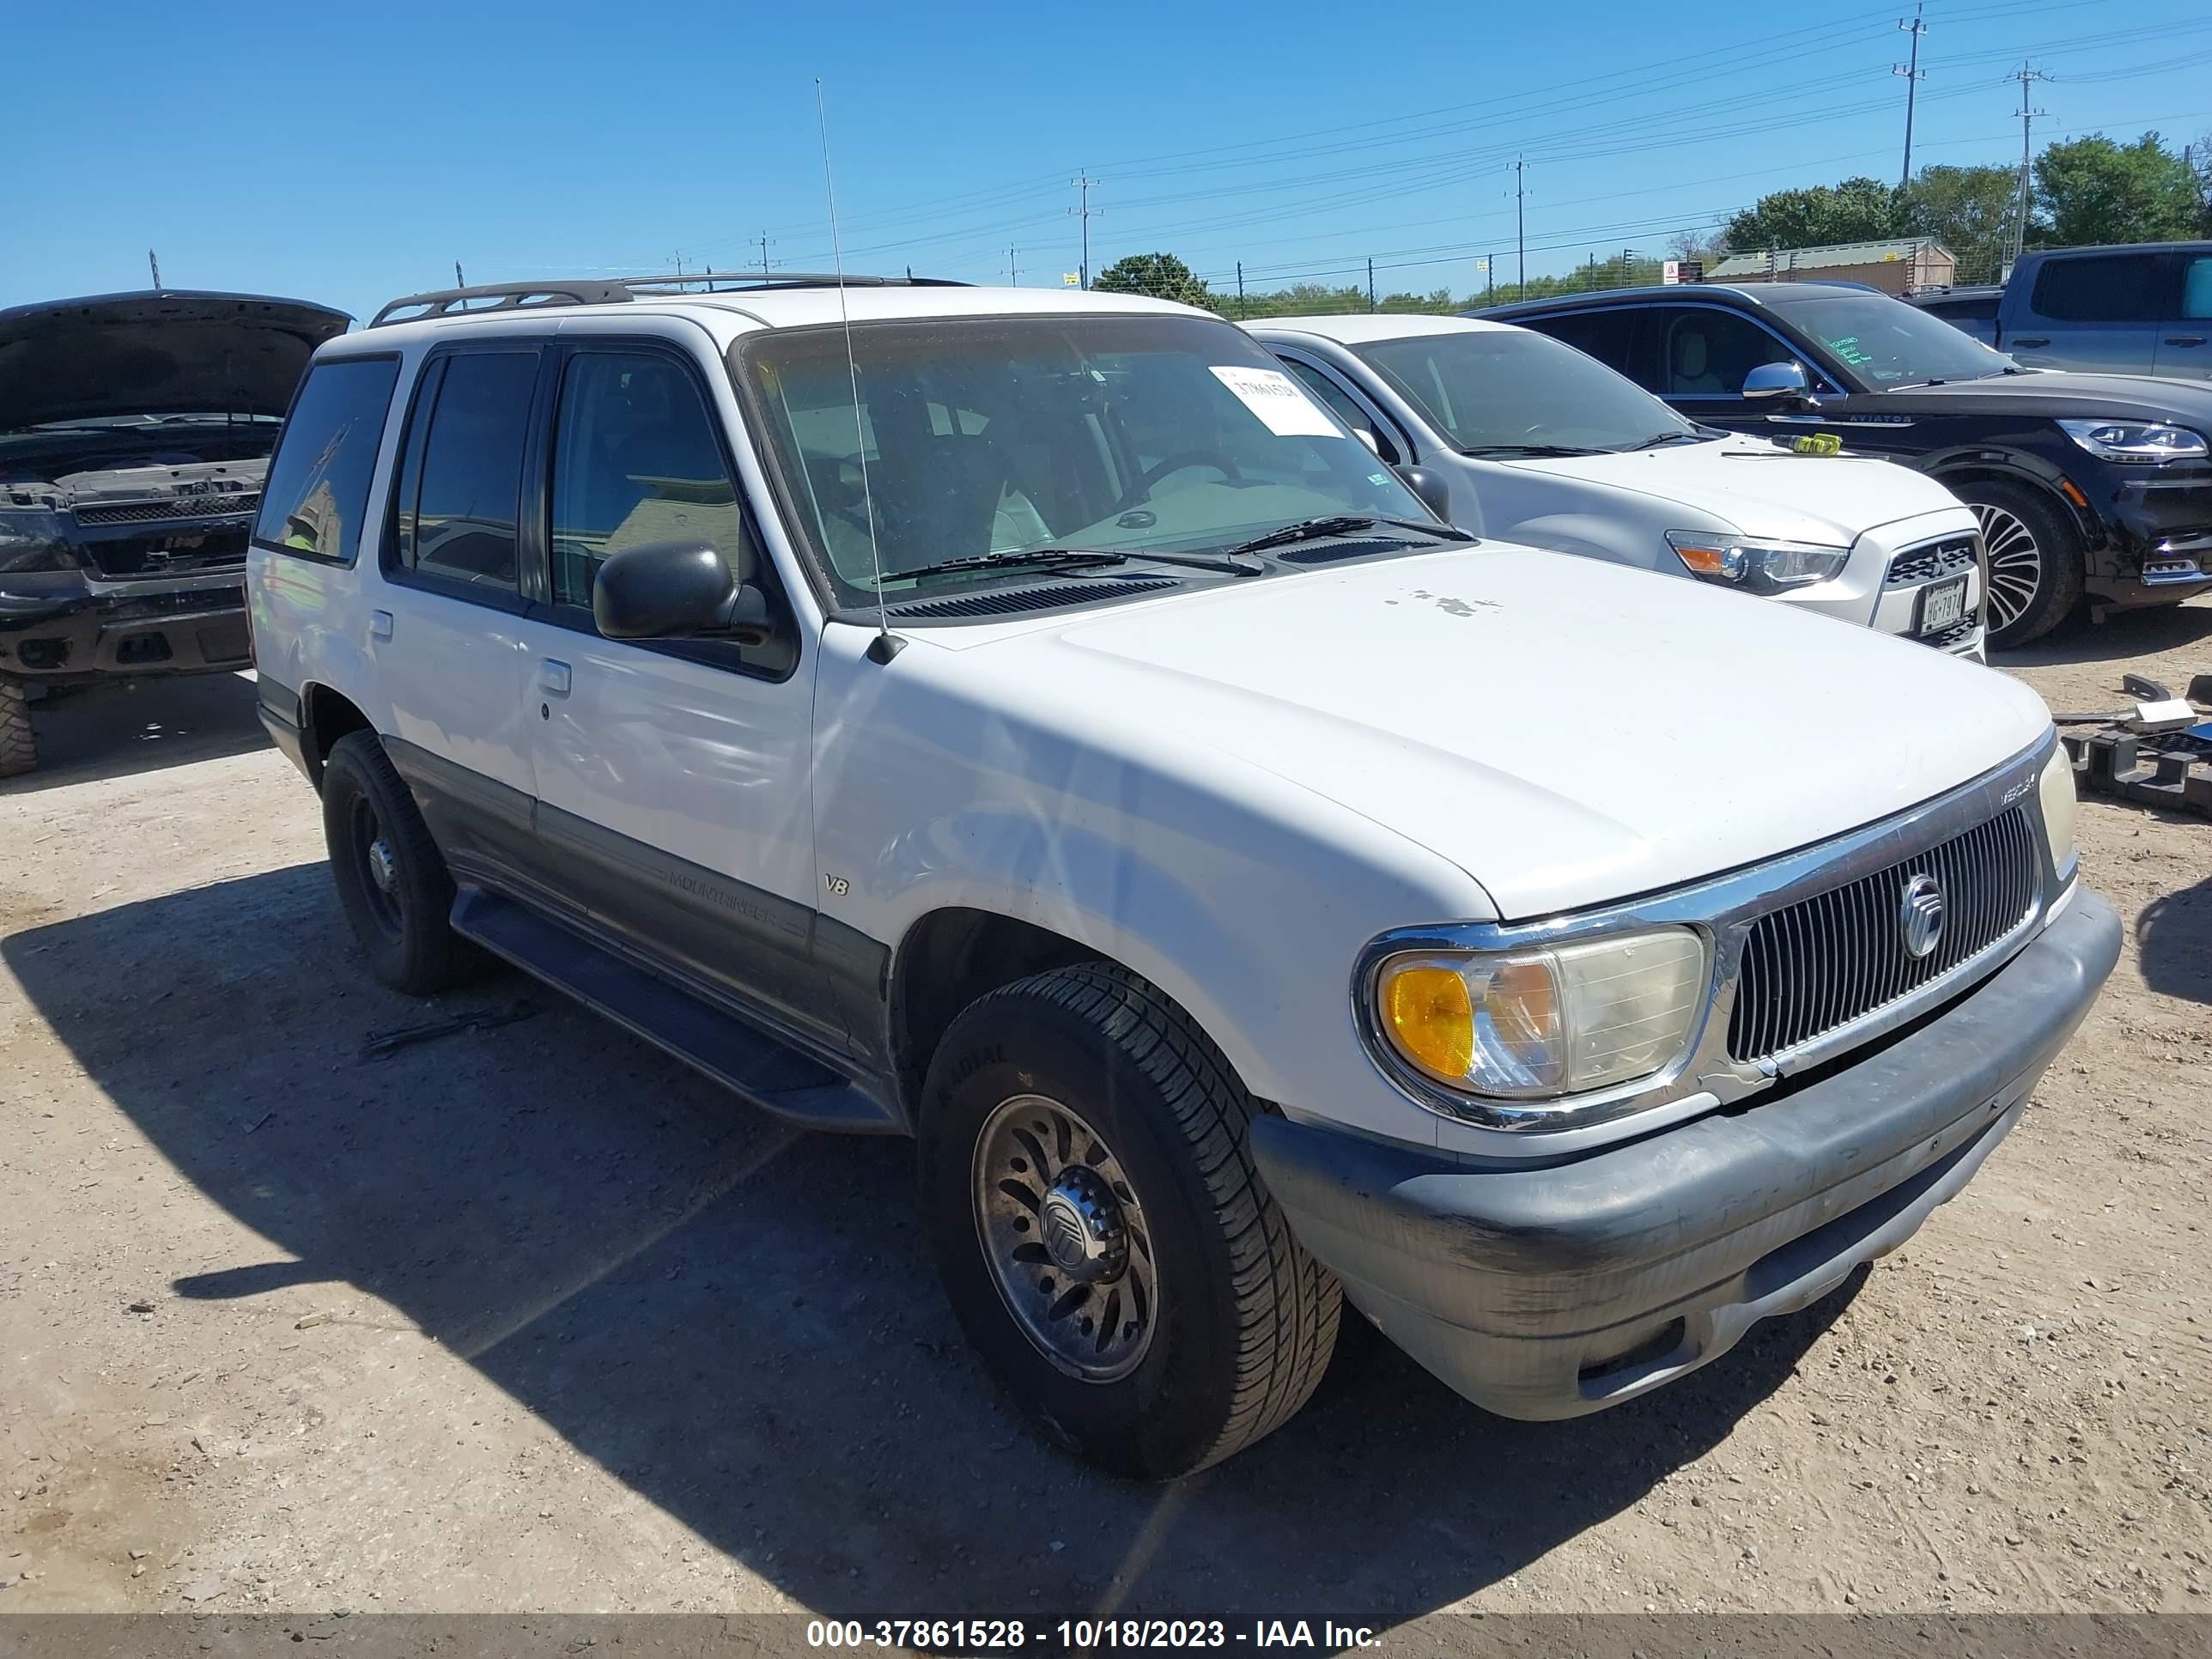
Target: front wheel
[(19, 745), (1102, 1235), (2035, 566)]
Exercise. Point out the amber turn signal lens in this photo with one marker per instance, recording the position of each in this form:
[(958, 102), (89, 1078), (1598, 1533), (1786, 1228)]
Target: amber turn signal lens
[(1432, 1017)]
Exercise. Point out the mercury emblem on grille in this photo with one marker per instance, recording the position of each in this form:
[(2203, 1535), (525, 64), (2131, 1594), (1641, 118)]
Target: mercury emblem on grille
[(1920, 916)]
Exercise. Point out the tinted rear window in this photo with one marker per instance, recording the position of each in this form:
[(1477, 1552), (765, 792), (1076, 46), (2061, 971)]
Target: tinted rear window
[(2110, 288), (318, 487)]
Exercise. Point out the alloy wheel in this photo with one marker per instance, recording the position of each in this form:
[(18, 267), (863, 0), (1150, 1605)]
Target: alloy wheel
[(1067, 1239), (2015, 565)]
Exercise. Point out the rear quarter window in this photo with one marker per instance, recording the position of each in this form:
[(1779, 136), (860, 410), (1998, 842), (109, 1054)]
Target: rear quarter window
[(317, 491)]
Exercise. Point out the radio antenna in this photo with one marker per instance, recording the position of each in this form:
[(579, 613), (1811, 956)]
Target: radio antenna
[(884, 645)]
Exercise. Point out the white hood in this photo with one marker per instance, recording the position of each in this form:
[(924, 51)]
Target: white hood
[(1761, 490), (1566, 731)]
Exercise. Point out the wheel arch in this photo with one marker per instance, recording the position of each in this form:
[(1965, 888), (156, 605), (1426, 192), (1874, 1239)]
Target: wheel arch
[(2027, 472), (953, 954), (325, 715)]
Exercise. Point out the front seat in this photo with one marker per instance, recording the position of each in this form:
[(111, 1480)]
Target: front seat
[(1692, 371)]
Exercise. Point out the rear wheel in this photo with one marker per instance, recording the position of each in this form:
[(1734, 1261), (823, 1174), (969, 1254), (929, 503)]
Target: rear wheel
[(1102, 1233), (19, 745), (392, 879), (2034, 560)]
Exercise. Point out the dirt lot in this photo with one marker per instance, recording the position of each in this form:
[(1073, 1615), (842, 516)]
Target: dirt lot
[(531, 1318)]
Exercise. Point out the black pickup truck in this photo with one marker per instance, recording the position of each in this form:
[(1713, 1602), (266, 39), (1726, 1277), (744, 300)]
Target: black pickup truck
[(135, 432)]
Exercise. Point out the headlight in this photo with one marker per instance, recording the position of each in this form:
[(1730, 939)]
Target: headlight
[(1756, 567), (1557, 1020), (2059, 801), (2136, 440)]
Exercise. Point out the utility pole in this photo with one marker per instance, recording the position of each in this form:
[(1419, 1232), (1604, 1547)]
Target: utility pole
[(1489, 278), (679, 262), (459, 281), (1013, 270), (765, 239), (1370, 283), (1085, 212), (1240, 290), (157, 264), (2027, 77), (1521, 227), (1914, 75)]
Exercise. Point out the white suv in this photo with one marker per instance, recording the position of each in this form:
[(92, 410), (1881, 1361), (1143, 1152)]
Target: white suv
[(1524, 437), (1026, 721)]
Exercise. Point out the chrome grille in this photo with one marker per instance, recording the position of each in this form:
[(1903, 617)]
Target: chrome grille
[(181, 508), (1829, 959), (1952, 556)]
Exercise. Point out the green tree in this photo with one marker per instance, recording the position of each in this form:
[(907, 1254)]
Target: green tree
[(1162, 276), (1969, 210), (2095, 191), (1856, 210)]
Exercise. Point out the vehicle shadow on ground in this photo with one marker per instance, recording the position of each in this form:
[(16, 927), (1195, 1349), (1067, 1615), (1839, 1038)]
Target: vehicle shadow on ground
[(739, 1322), (2123, 636), (119, 730), (2174, 936)]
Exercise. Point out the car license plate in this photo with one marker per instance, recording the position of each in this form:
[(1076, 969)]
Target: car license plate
[(1942, 604)]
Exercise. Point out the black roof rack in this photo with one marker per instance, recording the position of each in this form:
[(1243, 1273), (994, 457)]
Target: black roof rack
[(618, 290)]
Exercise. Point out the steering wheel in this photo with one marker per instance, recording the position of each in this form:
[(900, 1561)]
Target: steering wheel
[(1181, 461)]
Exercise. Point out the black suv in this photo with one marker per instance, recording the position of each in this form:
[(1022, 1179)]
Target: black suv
[(2096, 483), (135, 432)]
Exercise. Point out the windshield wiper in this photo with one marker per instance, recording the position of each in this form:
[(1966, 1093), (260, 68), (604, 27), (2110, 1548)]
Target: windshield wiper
[(1658, 439), (1033, 558), (1344, 524), (1527, 451)]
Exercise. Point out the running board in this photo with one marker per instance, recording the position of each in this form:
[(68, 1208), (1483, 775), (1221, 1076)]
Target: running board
[(760, 1069)]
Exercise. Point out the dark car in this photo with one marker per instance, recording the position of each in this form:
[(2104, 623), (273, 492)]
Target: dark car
[(2085, 484), (134, 433)]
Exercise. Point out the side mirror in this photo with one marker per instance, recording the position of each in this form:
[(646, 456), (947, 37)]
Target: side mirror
[(1435, 493), (672, 591), (1776, 380)]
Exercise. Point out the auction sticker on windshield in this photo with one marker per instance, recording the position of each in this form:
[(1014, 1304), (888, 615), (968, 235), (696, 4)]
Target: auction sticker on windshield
[(1279, 401)]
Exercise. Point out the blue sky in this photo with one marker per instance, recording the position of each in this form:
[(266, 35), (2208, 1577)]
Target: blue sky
[(349, 153)]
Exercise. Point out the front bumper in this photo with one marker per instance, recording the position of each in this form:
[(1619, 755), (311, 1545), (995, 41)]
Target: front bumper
[(1553, 1292), (65, 631), (2159, 526)]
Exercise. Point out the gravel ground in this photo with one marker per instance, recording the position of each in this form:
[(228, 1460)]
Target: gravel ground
[(532, 1319)]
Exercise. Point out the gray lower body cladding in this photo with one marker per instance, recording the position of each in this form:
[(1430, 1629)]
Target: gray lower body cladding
[(1551, 1292)]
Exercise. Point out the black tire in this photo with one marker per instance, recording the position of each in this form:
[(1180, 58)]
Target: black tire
[(1243, 1321), (19, 745), (401, 917), (2036, 568)]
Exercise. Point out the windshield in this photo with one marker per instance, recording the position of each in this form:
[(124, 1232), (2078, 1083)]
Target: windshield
[(1502, 391), (1887, 342), (984, 437)]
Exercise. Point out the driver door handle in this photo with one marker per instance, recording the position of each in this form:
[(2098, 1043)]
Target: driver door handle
[(2185, 339), (2033, 340), (553, 677)]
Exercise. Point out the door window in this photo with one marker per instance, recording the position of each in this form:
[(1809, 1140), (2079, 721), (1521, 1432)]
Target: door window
[(1345, 409), (459, 510), (2109, 288), (317, 484), (1706, 353), (636, 461), (1609, 335), (2197, 292)]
